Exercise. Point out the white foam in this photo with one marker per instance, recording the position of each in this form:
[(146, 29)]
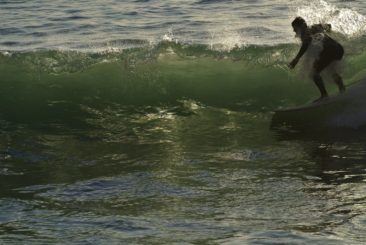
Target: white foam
[(169, 37), (6, 53), (226, 40), (343, 20)]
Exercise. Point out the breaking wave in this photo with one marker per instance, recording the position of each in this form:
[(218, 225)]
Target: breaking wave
[(47, 84)]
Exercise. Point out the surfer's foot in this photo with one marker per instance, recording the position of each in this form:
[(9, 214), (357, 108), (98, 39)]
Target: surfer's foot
[(324, 97)]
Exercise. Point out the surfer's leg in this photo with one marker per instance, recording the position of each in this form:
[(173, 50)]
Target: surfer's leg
[(320, 84), (339, 81), (319, 65)]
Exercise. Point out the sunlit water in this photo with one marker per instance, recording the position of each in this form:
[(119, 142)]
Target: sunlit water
[(195, 163), (215, 176), (86, 25)]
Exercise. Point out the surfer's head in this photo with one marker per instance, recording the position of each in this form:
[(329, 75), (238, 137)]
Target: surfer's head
[(299, 25)]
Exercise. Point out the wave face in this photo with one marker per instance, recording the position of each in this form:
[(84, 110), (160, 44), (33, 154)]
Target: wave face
[(253, 78)]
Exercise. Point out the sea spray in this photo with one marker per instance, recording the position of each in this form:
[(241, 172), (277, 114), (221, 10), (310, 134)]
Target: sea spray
[(343, 20)]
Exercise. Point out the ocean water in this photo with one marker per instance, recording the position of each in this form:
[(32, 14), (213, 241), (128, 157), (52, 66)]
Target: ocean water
[(150, 122)]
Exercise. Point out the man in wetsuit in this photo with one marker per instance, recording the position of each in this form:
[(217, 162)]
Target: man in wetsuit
[(331, 51)]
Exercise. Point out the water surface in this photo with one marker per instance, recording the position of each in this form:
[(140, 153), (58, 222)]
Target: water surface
[(146, 122)]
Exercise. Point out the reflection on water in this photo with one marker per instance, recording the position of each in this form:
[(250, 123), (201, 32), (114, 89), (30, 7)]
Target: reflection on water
[(339, 156), (181, 174)]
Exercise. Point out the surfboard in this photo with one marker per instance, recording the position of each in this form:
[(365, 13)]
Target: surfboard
[(344, 110)]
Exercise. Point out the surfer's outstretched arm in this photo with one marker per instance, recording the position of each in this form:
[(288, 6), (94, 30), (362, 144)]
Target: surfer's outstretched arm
[(305, 44)]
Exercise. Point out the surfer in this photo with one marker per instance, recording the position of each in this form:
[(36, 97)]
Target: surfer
[(330, 51)]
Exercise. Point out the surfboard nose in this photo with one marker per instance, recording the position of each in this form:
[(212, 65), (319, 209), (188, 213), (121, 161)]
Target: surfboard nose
[(347, 110)]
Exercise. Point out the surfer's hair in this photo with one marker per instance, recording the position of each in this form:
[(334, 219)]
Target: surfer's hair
[(299, 22)]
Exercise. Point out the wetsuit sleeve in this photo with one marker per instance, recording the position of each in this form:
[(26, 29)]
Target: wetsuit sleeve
[(305, 45)]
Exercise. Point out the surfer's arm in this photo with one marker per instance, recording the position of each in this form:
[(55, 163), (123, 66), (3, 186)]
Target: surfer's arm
[(305, 45)]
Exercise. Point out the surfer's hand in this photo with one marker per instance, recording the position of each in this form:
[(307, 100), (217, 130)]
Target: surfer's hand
[(293, 64)]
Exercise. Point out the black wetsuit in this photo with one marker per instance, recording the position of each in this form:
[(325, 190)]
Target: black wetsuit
[(332, 50)]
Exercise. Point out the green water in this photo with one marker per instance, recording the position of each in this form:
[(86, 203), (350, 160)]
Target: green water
[(150, 122), (152, 176), (172, 145)]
